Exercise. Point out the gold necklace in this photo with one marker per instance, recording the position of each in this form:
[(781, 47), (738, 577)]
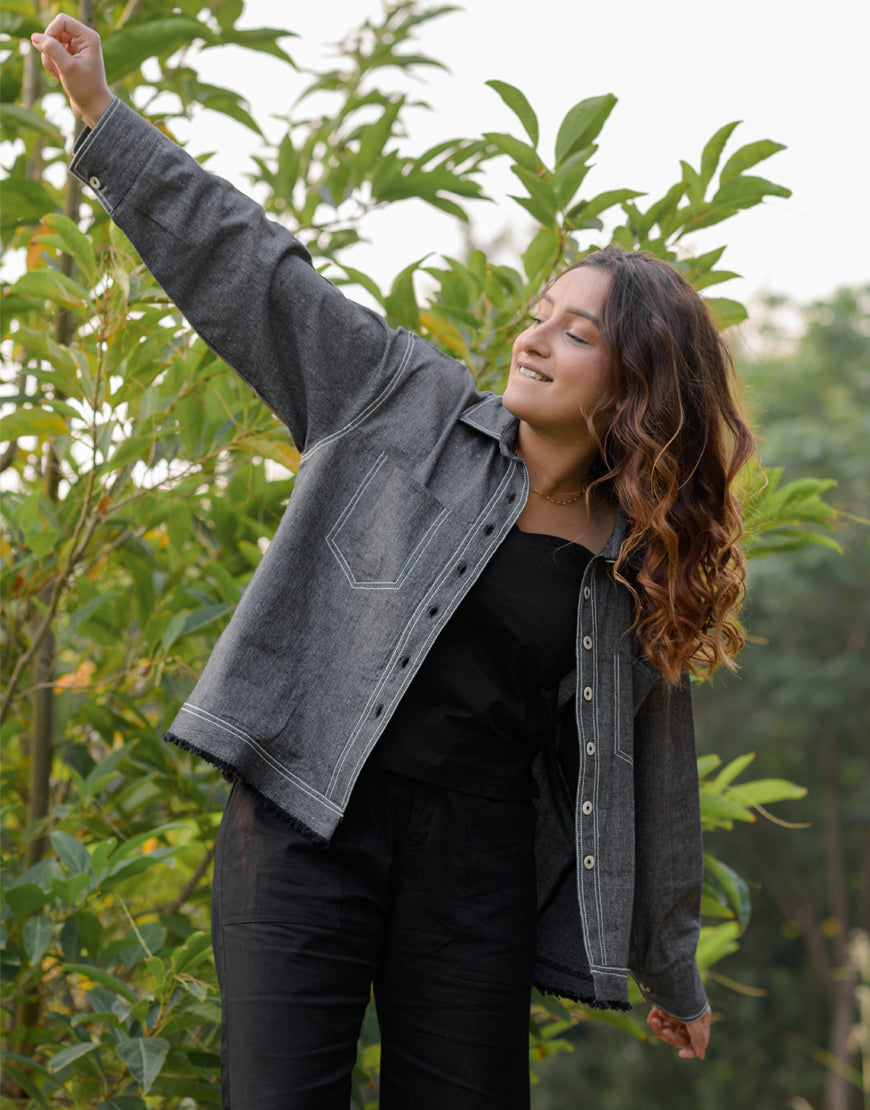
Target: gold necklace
[(546, 497)]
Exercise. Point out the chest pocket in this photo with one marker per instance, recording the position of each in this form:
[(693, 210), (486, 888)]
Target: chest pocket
[(385, 528)]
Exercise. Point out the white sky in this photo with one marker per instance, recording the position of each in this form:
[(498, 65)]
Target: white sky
[(680, 69)]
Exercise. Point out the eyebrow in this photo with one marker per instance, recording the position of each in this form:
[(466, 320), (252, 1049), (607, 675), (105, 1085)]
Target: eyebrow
[(577, 312)]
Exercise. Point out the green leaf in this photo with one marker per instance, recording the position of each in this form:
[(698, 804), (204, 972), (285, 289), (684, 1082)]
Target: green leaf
[(571, 173), (37, 934), (75, 243), (713, 151), (16, 118), (542, 255), (182, 624), (195, 948), (762, 792), (582, 124), (73, 622), (68, 1056), (521, 152), (144, 1057), (51, 285), (618, 1021), (24, 898), (733, 770), (587, 209), (24, 1077), (519, 105), (262, 39), (24, 203), (71, 852), (31, 422), (726, 312), (125, 50), (717, 941), (720, 812), (707, 764), (693, 184), (110, 982), (733, 887), (747, 156), (746, 192), (401, 304), (542, 191), (364, 281)]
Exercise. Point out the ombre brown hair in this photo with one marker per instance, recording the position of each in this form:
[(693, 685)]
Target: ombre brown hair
[(673, 438)]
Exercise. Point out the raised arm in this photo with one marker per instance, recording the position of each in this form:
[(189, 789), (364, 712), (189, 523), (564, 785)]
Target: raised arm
[(245, 283)]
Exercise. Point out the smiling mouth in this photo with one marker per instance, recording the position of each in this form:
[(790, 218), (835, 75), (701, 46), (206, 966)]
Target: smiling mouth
[(527, 372)]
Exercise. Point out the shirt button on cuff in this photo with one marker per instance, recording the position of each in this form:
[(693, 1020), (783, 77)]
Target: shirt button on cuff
[(589, 862), (587, 593), (95, 182)]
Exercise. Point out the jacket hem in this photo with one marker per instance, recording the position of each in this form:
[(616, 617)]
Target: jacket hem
[(231, 774), (587, 1000)]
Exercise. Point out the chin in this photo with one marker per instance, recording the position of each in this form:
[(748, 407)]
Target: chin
[(516, 403)]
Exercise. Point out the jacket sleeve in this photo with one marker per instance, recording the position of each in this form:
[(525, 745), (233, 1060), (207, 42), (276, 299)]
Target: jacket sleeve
[(668, 854), (245, 283)]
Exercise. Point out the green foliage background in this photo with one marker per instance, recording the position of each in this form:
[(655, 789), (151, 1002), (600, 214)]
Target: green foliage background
[(143, 482)]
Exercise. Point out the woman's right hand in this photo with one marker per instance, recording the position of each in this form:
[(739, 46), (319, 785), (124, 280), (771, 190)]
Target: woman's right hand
[(71, 52)]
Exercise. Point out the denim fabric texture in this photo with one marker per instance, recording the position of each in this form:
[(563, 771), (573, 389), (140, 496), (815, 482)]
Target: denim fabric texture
[(408, 483)]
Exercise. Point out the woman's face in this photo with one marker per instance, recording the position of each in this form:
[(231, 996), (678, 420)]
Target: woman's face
[(560, 364)]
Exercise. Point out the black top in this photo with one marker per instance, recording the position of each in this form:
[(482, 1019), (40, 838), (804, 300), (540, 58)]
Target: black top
[(474, 714)]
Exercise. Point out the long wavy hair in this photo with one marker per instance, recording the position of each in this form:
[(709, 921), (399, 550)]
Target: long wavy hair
[(672, 440)]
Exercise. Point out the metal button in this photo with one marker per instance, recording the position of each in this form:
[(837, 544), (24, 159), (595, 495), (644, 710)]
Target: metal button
[(589, 862), (95, 182), (587, 593), (587, 642), (587, 808), (590, 748), (587, 693)]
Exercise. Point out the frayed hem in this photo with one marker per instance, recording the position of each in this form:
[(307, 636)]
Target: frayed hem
[(232, 775), (587, 1000)]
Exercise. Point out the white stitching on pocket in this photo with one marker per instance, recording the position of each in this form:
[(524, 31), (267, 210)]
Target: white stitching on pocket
[(393, 493)]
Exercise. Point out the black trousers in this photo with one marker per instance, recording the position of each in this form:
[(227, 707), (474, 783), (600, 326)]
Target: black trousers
[(425, 895)]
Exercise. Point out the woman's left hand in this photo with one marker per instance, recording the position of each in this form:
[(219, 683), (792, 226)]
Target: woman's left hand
[(690, 1037)]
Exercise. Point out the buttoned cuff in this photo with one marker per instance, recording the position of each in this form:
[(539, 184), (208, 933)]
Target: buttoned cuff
[(680, 993), (112, 156)]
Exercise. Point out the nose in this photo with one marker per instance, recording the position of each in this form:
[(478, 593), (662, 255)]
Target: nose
[(534, 340)]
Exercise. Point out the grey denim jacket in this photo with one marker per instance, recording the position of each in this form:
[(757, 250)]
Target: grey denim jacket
[(408, 483)]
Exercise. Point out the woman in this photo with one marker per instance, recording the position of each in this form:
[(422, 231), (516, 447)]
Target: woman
[(454, 698)]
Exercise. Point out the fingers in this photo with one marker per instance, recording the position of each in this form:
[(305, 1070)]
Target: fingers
[(71, 52), (691, 1038), (699, 1036)]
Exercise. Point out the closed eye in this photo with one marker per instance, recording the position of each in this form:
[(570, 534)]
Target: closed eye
[(578, 339)]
